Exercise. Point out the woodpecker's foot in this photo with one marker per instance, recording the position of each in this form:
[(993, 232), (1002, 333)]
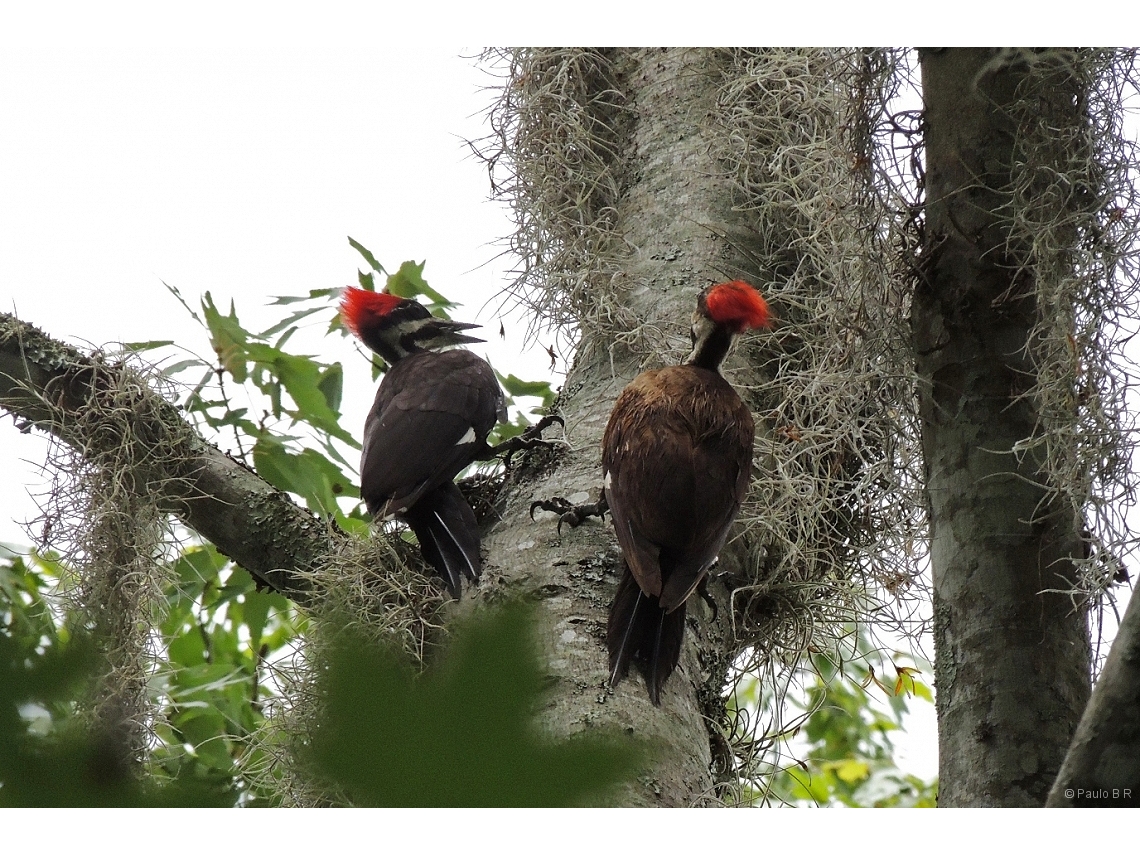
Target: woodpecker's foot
[(529, 438), (572, 515), (703, 591)]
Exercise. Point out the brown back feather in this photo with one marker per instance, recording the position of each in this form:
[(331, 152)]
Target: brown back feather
[(678, 455)]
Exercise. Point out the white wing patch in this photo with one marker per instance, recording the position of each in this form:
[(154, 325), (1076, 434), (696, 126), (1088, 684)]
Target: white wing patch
[(468, 437)]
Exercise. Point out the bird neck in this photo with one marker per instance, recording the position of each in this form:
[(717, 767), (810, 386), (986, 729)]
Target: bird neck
[(710, 349)]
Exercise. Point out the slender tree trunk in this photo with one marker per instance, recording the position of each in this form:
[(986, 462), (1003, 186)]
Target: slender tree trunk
[(1011, 650), (1102, 767)]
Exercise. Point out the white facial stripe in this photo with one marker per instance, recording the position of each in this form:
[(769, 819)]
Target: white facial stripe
[(414, 325)]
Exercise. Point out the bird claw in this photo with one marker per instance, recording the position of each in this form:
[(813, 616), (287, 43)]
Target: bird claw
[(703, 591), (572, 515), (529, 438)]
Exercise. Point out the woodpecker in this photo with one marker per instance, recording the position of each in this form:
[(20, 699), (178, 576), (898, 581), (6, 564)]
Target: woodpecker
[(676, 459), (431, 417)]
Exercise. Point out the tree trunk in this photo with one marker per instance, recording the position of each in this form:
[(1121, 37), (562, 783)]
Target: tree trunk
[(1102, 768), (668, 194), (1011, 651)]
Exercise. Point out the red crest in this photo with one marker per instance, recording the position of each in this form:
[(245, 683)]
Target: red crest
[(737, 305), (360, 309)]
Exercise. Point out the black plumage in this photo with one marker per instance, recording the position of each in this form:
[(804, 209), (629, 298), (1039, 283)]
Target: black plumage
[(430, 420)]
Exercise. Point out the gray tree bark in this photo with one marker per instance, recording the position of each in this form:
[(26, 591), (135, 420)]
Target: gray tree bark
[(1102, 767), (1011, 653)]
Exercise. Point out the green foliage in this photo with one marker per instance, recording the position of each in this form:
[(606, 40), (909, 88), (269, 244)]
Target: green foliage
[(220, 633), (407, 282), (25, 581), (516, 388), (297, 444), (48, 761), (217, 634), (459, 735), (844, 742), (308, 473)]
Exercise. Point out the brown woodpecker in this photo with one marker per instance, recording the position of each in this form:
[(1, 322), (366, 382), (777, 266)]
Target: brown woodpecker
[(432, 414), (677, 459)]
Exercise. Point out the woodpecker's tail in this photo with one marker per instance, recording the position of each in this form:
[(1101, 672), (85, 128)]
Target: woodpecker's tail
[(641, 631), (448, 534)]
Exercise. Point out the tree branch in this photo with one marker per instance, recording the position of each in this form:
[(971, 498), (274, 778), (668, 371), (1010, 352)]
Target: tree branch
[(1102, 766), (47, 384)]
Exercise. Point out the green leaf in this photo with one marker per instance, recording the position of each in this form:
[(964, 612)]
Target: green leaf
[(184, 364), (142, 346), (205, 728), (331, 385), (409, 282), (367, 281), (228, 338), (314, 294), (368, 256), (850, 771), (460, 735), (178, 296), (256, 616), (187, 649), (309, 474), (516, 386), (354, 525), (302, 377), (73, 769), (921, 690), (291, 320), (198, 566)]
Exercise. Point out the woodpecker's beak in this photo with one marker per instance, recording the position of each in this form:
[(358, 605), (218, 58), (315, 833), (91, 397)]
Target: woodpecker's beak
[(451, 332)]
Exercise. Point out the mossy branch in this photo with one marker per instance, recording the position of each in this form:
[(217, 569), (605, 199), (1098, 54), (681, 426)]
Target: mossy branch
[(49, 385)]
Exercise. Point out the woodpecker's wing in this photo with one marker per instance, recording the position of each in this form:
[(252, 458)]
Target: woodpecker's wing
[(677, 455), (431, 416)]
